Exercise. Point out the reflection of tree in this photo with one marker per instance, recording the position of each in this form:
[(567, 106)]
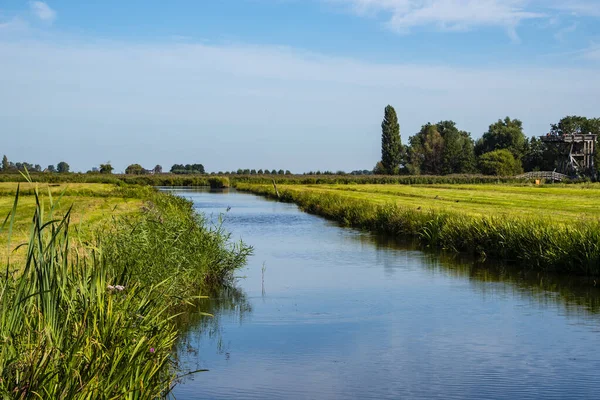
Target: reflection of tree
[(575, 293)]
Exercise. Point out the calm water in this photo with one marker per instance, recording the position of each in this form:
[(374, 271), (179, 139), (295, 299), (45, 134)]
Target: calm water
[(344, 314)]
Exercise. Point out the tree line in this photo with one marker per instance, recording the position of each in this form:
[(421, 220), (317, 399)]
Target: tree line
[(504, 150), (135, 169), (9, 166)]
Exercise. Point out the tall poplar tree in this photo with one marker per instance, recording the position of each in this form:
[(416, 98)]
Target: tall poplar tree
[(391, 144)]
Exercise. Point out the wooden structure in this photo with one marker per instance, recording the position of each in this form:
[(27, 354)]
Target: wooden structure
[(545, 175), (575, 152)]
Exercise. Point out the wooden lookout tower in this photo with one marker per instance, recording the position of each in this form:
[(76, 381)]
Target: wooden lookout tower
[(575, 152)]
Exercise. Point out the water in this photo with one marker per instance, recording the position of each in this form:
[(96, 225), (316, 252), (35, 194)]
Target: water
[(345, 314)]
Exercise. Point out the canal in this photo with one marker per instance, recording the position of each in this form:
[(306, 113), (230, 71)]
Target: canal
[(324, 312)]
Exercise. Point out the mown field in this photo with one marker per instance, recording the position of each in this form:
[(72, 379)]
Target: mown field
[(92, 205), (549, 227), (566, 203)]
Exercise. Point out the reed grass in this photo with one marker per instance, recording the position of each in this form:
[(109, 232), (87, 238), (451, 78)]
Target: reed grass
[(538, 242), (96, 320)]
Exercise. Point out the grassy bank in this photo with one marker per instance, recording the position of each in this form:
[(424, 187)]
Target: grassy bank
[(233, 179), (497, 222), (93, 317)]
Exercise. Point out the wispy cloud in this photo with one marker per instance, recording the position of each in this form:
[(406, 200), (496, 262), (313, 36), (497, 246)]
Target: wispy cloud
[(149, 96), (42, 11), (581, 8), (12, 25), (562, 33), (592, 53), (403, 16)]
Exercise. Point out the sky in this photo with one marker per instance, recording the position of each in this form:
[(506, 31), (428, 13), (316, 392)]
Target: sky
[(281, 84)]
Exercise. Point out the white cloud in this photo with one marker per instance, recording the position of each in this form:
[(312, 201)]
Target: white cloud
[(403, 16), (13, 25), (43, 11), (581, 8), (563, 32), (592, 53), (296, 110)]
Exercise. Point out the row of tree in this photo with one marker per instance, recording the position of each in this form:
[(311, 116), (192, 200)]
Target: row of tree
[(246, 171), (440, 149), (9, 166)]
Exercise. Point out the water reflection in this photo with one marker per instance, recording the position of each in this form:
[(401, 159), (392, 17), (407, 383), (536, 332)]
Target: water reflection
[(346, 314), (577, 294), (226, 303)]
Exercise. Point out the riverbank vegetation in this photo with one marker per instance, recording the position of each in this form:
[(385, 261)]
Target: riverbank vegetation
[(552, 228), (90, 313)]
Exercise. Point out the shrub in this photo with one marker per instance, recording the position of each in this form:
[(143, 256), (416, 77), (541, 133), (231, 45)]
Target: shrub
[(500, 163)]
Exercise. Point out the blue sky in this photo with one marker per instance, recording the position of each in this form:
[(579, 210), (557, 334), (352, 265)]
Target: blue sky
[(289, 84)]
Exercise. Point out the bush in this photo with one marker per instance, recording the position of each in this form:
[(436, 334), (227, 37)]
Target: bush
[(500, 163)]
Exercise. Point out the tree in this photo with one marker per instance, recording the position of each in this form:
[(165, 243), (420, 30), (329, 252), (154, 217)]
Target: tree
[(426, 149), (135, 169), (106, 168), (538, 156), (504, 134), (288, 172), (379, 169), (572, 125), (432, 151), (458, 155), (51, 168), (391, 143), (274, 172), (260, 172), (5, 164), (62, 167), (187, 169), (158, 169), (500, 162), (37, 168)]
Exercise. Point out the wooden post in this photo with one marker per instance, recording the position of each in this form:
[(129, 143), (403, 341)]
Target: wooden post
[(276, 191)]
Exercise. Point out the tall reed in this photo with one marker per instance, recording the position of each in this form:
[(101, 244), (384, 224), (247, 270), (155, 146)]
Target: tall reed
[(84, 322)]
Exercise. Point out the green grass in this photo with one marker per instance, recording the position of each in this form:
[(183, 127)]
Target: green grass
[(90, 205), (560, 203), (95, 317), (554, 228)]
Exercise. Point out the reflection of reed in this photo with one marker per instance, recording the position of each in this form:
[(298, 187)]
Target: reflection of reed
[(578, 295), (195, 324), (263, 269)]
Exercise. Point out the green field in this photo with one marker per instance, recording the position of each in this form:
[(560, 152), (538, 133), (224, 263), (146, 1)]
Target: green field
[(92, 205), (572, 203), (549, 227)]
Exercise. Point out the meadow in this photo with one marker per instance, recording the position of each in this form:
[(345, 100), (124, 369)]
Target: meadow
[(89, 300), (89, 204), (548, 227)]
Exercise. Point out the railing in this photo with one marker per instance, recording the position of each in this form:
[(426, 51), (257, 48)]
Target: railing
[(547, 175)]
